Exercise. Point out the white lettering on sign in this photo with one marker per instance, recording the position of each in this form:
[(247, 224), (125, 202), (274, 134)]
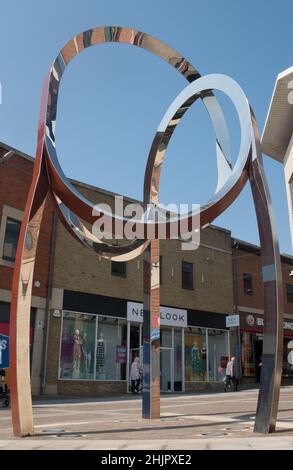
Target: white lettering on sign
[(288, 325), (259, 321), (169, 316), (232, 320)]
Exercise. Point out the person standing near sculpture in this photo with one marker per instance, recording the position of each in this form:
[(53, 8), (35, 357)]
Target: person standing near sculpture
[(231, 375), (135, 373)]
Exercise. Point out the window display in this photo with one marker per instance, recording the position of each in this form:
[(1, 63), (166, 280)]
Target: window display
[(94, 347), (110, 334), (100, 358), (87, 355), (177, 360), (77, 346), (195, 355), (218, 348)]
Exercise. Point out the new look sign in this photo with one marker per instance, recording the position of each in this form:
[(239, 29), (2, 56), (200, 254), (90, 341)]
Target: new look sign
[(168, 316)]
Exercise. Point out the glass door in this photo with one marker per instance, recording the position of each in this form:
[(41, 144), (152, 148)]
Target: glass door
[(178, 361), (166, 382), (134, 347), (166, 360)]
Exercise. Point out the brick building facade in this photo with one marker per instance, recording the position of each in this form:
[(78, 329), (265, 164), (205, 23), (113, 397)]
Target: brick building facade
[(249, 301), (89, 287), (15, 174), (86, 322)]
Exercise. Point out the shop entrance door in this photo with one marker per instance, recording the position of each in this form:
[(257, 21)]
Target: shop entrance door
[(171, 355), (167, 381), (134, 348)]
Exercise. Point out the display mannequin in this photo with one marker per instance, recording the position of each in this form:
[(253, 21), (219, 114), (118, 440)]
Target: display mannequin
[(87, 354), (77, 351), (195, 359), (100, 357)]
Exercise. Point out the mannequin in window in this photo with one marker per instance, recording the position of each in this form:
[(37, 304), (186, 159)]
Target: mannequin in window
[(195, 359), (77, 351), (100, 357), (87, 354)]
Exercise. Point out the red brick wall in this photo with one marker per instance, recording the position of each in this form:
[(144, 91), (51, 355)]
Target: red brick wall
[(250, 263), (15, 177)]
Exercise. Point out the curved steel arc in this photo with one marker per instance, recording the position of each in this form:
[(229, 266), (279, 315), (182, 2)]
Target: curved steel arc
[(272, 354), (238, 176), (61, 186), (49, 177)]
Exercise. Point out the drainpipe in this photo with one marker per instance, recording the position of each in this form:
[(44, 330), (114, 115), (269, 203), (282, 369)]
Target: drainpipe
[(236, 303), (47, 305)]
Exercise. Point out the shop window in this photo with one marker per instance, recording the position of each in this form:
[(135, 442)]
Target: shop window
[(87, 356), (11, 239), (166, 338), (111, 350), (187, 275), (77, 356), (118, 269), (247, 284), (195, 354), (247, 352), (218, 354), (290, 293), (135, 348)]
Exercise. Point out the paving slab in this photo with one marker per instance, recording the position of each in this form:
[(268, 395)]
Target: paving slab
[(190, 421)]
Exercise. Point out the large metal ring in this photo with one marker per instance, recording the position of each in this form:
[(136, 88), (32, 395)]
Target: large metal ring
[(65, 195), (234, 179)]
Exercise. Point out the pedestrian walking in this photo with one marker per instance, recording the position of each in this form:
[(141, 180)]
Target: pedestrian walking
[(231, 375), (135, 373)]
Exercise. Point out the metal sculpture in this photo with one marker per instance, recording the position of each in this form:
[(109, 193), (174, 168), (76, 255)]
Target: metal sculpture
[(71, 207)]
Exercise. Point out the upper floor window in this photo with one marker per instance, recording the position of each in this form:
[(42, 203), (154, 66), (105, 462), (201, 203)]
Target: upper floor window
[(187, 275), (290, 293), (161, 270), (118, 269), (247, 284), (11, 239)]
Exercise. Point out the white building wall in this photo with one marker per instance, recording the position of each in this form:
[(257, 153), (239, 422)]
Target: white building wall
[(288, 168)]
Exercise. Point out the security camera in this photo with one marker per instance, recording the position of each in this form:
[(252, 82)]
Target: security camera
[(291, 274)]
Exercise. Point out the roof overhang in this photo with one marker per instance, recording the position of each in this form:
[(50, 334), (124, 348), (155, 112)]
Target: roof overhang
[(278, 128)]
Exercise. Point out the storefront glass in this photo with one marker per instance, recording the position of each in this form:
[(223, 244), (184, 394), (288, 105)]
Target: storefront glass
[(218, 353), (135, 349), (85, 356), (195, 354), (77, 346), (111, 339), (177, 360), (247, 350), (94, 347), (252, 344), (166, 338)]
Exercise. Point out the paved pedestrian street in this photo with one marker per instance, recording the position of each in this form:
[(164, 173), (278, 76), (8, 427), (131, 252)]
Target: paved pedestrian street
[(197, 421)]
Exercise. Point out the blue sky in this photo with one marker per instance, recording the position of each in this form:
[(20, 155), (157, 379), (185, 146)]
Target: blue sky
[(113, 96)]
